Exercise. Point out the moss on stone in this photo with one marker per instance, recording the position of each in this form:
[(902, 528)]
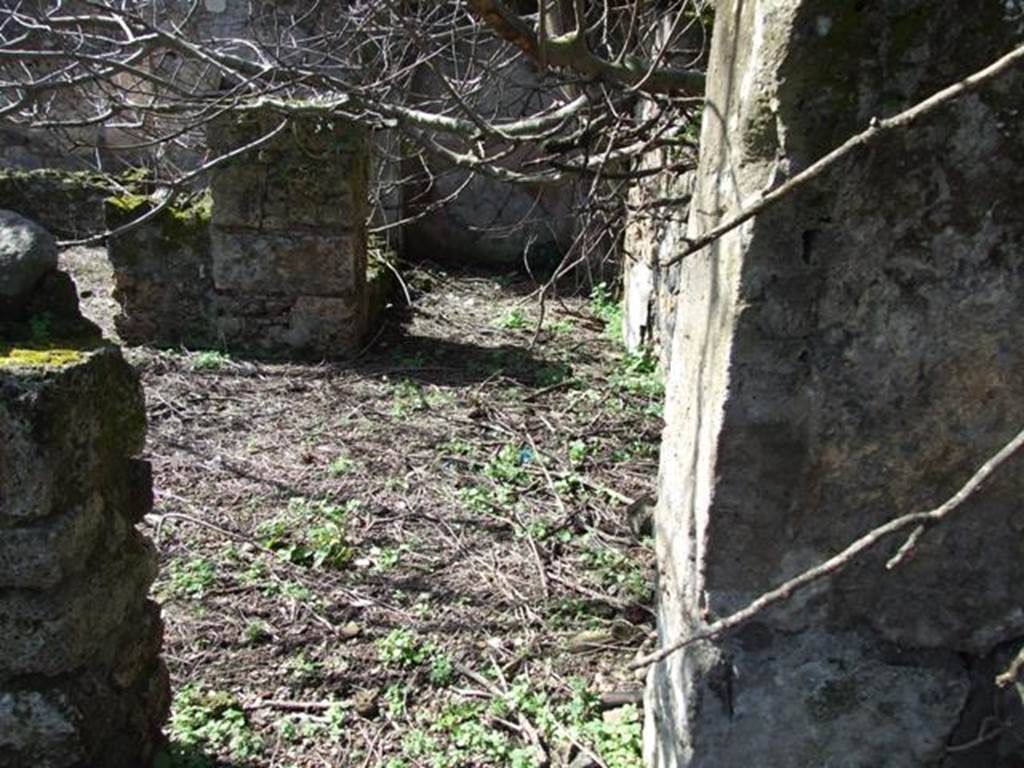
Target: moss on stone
[(128, 202), (20, 357), (185, 222), (37, 353)]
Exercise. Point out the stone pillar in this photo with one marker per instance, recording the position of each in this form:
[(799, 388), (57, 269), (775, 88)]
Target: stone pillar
[(81, 681), (851, 355), (288, 236), (163, 273)]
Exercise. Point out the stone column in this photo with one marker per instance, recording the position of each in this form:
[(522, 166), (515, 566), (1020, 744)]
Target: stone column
[(849, 356), (81, 682), (288, 236)]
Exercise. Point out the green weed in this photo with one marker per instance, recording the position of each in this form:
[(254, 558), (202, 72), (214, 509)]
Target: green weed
[(478, 499), (190, 578), (514, 320), (341, 466), (579, 450), (209, 360), (608, 309), (616, 571), (401, 648), (213, 721), (312, 534)]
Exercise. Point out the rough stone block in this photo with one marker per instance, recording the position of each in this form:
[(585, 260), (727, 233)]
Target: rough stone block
[(46, 551), (27, 252), (51, 632), (105, 714), (849, 355), (295, 264), (81, 681), (38, 728), (66, 430), (162, 273)]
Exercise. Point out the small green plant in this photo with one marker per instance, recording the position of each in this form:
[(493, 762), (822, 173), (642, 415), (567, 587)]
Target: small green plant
[(190, 578), (385, 558), (441, 669), (509, 465), (312, 534), (616, 571), (478, 499), (401, 648), (637, 373), (579, 450), (619, 741), (257, 631), (303, 667), (608, 309), (406, 397), (209, 360), (458, 448), (395, 698), (514, 320), (213, 721), (342, 465)]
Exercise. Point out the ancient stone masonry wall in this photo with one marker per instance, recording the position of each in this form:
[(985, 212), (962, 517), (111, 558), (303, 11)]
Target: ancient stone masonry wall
[(650, 291), (850, 355), (69, 205), (81, 682), (289, 236), (272, 262), (163, 273), (656, 220)]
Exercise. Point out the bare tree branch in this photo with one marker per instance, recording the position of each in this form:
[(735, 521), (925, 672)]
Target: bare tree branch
[(839, 562), (876, 130)]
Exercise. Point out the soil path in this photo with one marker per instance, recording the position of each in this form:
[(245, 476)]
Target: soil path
[(419, 558)]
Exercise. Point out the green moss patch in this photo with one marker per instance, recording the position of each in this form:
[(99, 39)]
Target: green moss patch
[(40, 354)]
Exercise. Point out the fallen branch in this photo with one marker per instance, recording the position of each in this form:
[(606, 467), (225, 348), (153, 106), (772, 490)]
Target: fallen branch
[(837, 563), (874, 131)]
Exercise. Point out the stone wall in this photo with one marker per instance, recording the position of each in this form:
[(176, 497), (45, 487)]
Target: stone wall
[(272, 263), (470, 219), (659, 205), (81, 682), (650, 291), (289, 236), (163, 273), (68, 204), (850, 355)]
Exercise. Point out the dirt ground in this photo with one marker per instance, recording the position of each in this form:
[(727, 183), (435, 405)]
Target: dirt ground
[(423, 557)]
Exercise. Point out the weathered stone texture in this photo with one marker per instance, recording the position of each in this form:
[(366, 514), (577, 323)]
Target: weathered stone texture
[(277, 265), (289, 237), (852, 354), (652, 236), (27, 252), (163, 273), (66, 203), (81, 639), (81, 681)]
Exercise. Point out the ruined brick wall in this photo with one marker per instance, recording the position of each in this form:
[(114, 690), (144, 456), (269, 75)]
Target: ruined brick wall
[(288, 236), (163, 273), (81, 681), (70, 205), (272, 263), (848, 356)]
